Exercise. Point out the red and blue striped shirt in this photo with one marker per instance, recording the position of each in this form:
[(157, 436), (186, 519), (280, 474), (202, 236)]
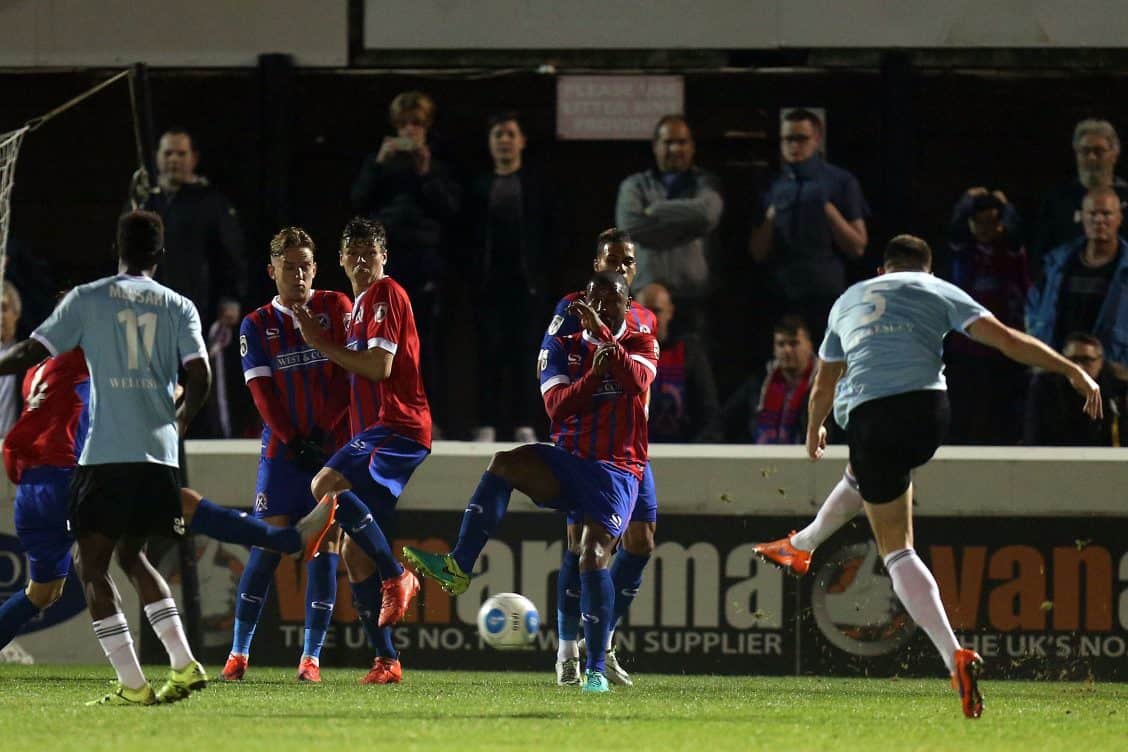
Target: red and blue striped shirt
[(600, 417), (304, 380)]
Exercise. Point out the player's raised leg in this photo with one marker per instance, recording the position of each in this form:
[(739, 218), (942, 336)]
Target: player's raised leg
[(522, 469), (793, 553)]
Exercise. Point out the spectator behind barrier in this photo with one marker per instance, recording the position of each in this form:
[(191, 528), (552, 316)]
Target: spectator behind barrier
[(1052, 414), (412, 192), (1085, 283), (11, 404), (511, 222), (812, 216), (987, 390), (672, 212), (772, 408), (683, 397), (205, 256), (1096, 147)]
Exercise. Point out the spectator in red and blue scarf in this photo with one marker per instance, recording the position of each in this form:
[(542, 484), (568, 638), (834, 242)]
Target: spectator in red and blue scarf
[(772, 408)]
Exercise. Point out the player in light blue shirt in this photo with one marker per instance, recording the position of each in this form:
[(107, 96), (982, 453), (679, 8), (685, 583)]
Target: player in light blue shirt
[(136, 335), (880, 368)]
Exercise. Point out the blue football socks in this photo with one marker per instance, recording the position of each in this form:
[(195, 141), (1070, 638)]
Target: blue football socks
[(254, 586), (626, 575), (232, 526), (16, 611), (321, 594), (366, 598), (597, 603), (357, 520), (480, 521), (568, 597)]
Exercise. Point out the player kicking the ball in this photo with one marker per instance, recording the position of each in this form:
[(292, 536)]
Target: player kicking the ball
[(880, 368), (594, 383)]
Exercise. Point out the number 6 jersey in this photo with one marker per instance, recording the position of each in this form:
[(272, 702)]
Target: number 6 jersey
[(135, 333)]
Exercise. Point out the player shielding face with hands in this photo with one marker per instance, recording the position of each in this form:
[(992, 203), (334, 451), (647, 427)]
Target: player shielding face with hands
[(594, 383), (880, 369)]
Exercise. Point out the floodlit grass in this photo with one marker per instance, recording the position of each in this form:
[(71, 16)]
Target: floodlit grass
[(41, 708)]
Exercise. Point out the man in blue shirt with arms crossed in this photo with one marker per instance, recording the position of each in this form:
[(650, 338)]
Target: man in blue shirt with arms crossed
[(880, 368)]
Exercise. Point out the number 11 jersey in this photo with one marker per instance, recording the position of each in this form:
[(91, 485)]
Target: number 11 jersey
[(135, 334)]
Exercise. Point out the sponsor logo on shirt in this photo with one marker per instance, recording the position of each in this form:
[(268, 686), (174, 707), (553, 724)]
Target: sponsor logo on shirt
[(298, 359), (272, 333)]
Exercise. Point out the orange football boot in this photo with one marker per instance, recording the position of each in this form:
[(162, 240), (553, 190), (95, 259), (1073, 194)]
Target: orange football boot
[(235, 668), (309, 671), (383, 671), (966, 681), (784, 555), (396, 596)]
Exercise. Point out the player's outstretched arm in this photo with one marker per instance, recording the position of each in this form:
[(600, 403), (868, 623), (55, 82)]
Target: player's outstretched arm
[(1030, 351), (23, 356), (819, 404), (197, 384)]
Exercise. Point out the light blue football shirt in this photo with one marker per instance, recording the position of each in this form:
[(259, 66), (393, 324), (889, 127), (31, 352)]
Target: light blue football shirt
[(890, 331), (135, 334)]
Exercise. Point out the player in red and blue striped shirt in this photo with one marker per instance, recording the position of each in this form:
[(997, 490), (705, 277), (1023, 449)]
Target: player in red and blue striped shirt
[(391, 423), (301, 396), (595, 384), (614, 251)]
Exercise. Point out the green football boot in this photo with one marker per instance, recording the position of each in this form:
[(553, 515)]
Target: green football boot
[(182, 682), (128, 697), (595, 682), (442, 568)]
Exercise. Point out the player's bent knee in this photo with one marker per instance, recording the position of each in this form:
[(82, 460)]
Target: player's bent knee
[(639, 538), (328, 481), (44, 594)]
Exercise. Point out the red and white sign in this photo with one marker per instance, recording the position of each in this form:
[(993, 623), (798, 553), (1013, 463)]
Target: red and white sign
[(615, 108)]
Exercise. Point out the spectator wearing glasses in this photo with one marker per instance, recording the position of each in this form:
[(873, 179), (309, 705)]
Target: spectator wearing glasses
[(987, 391), (812, 217), (1096, 147), (1085, 283), (1052, 417)]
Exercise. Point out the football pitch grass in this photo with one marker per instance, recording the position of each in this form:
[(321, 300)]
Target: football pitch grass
[(41, 708)]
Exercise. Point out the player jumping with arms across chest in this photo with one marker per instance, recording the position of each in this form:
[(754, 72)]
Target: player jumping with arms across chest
[(594, 383)]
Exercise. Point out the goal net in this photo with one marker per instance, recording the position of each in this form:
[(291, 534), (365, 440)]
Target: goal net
[(9, 150)]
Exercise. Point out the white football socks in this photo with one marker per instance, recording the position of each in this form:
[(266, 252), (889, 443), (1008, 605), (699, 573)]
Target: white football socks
[(841, 505), (917, 589), (165, 619), (568, 650), (117, 643)]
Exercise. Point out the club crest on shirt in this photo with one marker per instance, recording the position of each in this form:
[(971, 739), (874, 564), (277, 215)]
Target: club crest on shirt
[(260, 502), (379, 311), (323, 319), (644, 328), (242, 345), (555, 324)]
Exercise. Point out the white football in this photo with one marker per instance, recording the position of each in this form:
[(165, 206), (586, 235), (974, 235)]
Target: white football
[(508, 621)]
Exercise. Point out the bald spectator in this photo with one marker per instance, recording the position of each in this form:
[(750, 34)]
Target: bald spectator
[(1085, 282), (205, 257), (772, 408), (683, 397), (672, 212), (10, 402), (1096, 147), (813, 217)]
